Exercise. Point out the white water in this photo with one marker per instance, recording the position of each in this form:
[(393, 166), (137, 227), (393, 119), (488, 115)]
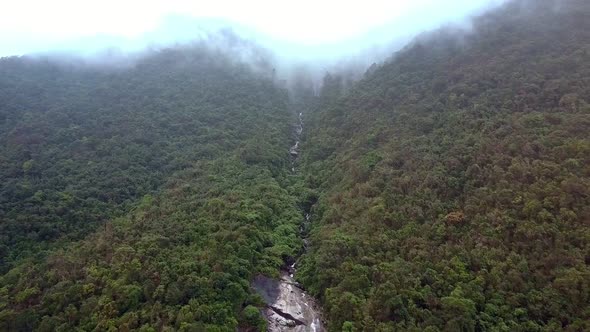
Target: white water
[(294, 150), (289, 309)]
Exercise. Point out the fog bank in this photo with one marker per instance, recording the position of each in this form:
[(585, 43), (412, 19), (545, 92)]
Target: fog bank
[(295, 30)]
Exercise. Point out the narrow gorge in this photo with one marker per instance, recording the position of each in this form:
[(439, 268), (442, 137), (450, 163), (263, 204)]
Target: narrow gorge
[(288, 306)]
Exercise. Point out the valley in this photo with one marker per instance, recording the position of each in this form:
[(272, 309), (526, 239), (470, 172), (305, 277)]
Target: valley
[(211, 186), (288, 306)]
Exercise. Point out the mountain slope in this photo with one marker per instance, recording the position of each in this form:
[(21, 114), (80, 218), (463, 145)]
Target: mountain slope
[(81, 143), (173, 172), (449, 189), (453, 181)]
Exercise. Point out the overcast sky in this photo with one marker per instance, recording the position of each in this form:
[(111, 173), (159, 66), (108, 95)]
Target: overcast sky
[(29, 26)]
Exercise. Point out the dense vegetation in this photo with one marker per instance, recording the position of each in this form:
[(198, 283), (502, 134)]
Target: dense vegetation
[(80, 144), (454, 181), (173, 173), (449, 187)]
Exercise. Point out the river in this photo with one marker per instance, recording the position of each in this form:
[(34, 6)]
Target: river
[(288, 307)]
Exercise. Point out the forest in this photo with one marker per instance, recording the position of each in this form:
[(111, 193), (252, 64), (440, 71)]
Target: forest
[(144, 197), (448, 188), (453, 181)]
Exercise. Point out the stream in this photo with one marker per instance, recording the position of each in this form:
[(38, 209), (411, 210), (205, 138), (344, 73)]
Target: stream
[(288, 307)]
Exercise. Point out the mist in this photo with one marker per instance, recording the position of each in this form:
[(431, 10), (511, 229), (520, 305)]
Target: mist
[(319, 37)]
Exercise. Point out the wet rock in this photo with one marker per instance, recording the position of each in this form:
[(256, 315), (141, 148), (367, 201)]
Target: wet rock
[(288, 307)]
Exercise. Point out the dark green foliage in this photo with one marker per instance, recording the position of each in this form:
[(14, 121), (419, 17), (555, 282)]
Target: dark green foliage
[(454, 181), (179, 165), (253, 318), (450, 188), (81, 144)]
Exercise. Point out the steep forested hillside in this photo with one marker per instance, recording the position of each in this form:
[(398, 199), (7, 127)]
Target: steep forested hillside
[(80, 144), (449, 189), (141, 197), (454, 181)]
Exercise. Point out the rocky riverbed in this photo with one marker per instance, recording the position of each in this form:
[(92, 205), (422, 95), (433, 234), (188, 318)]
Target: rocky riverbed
[(288, 307)]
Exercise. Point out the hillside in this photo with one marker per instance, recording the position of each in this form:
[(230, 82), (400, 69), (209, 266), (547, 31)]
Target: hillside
[(454, 180), (141, 197), (184, 189)]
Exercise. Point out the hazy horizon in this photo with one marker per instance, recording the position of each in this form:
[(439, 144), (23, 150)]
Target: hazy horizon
[(325, 30)]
